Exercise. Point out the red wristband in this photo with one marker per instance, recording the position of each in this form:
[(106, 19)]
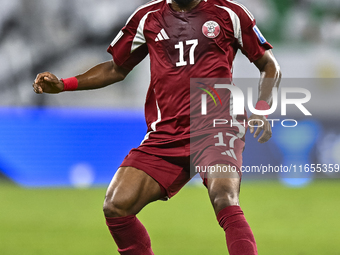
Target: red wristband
[(262, 105), (70, 84)]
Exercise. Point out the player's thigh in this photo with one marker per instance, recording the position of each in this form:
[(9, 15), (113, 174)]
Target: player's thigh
[(129, 191), (223, 187)]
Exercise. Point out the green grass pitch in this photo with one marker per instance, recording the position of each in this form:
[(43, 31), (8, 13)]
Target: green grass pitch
[(302, 221)]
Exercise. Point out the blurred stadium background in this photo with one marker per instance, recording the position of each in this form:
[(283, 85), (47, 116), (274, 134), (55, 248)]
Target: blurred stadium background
[(52, 145)]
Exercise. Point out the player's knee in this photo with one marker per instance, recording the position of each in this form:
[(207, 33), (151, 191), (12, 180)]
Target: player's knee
[(223, 197), (117, 207), (223, 201)]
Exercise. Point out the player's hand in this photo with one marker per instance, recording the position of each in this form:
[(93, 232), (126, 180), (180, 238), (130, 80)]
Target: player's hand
[(47, 83), (254, 120)]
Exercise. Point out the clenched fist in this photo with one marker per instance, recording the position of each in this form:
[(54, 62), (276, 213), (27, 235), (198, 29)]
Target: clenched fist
[(47, 83)]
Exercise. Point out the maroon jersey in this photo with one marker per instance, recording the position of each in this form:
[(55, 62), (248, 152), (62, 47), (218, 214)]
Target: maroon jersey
[(200, 43)]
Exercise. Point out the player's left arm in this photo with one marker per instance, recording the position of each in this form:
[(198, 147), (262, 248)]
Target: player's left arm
[(270, 78)]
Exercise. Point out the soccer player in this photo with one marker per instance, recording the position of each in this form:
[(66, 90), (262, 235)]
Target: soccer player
[(185, 39)]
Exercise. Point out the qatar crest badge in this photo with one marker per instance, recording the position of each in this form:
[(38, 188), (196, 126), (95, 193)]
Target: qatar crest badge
[(211, 29)]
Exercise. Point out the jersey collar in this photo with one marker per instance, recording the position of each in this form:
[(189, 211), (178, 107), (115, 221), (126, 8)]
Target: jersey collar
[(170, 1)]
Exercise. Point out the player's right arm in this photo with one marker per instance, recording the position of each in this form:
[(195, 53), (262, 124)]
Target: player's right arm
[(127, 49), (98, 76)]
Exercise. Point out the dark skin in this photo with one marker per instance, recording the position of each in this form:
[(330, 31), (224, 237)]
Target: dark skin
[(132, 189), (184, 8)]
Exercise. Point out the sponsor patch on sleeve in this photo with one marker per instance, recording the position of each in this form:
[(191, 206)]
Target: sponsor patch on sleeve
[(259, 35)]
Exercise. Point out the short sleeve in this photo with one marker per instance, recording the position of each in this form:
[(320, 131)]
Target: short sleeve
[(253, 44), (129, 47)]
